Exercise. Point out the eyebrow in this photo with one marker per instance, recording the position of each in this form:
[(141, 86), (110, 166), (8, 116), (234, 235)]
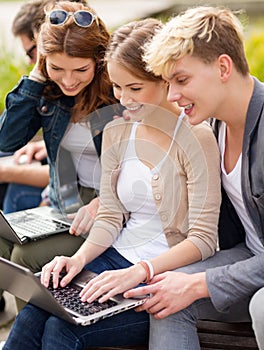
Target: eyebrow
[(173, 75), (83, 67), (128, 85)]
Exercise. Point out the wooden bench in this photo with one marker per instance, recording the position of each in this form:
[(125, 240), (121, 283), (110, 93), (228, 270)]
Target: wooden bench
[(217, 336)]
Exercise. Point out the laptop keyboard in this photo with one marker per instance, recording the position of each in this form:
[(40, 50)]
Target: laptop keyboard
[(69, 297), (35, 225)]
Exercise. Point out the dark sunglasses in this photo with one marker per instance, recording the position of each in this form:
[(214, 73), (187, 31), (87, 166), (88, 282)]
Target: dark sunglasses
[(81, 18), (29, 52)]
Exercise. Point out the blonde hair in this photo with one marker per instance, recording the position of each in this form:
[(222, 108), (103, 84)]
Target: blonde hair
[(205, 32)]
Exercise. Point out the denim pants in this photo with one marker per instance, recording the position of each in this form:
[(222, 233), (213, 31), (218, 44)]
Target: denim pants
[(3, 188), (178, 331), (36, 329), (20, 197)]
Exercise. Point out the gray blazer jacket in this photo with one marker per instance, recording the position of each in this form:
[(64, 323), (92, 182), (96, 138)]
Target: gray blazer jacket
[(242, 279)]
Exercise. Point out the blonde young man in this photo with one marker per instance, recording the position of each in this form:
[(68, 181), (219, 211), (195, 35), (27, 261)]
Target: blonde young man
[(200, 54)]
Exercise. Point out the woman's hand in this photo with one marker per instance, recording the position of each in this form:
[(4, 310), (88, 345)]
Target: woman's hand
[(110, 283), (71, 265), (84, 218), (125, 115)]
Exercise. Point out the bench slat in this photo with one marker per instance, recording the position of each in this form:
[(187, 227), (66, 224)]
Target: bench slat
[(217, 336), (244, 328), (220, 335)]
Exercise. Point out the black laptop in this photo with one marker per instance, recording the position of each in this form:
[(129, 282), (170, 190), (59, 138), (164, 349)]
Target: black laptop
[(61, 302)]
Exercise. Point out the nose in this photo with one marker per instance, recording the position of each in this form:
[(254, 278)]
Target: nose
[(125, 98), (173, 93), (68, 79)]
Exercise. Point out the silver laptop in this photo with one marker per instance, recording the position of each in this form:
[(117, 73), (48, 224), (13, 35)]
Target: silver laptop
[(61, 302), (32, 224)]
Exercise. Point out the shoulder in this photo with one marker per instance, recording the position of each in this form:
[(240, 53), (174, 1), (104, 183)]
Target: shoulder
[(202, 132), (203, 128), (118, 128), (116, 135)]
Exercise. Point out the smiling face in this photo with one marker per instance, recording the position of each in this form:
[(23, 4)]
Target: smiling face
[(197, 87), (140, 97), (71, 74)]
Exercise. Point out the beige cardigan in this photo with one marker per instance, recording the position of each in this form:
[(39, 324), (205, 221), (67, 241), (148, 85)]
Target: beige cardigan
[(186, 190)]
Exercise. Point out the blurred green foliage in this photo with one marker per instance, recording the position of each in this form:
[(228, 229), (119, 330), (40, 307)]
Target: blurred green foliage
[(254, 47), (13, 67)]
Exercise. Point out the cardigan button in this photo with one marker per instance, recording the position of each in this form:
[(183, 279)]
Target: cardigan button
[(163, 217), (44, 109), (158, 197), (155, 177)]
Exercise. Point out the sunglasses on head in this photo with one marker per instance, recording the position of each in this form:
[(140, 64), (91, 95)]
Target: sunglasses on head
[(29, 52), (82, 18)]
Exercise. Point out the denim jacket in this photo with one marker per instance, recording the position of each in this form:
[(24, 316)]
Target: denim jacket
[(27, 111)]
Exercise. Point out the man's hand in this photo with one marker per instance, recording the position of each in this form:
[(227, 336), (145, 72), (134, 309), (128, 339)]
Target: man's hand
[(33, 150), (170, 292)]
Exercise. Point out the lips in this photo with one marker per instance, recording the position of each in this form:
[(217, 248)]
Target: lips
[(188, 108), (134, 109), (70, 88)]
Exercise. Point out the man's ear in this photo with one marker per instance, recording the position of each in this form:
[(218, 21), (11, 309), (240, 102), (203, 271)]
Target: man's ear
[(225, 64)]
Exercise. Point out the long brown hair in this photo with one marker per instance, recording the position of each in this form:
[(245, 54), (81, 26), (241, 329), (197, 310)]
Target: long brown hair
[(76, 41)]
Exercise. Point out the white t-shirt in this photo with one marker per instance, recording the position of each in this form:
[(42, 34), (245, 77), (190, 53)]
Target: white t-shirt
[(232, 185), (78, 141)]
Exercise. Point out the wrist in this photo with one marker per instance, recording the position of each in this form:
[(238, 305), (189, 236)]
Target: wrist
[(79, 259), (37, 76), (139, 271), (149, 270), (200, 285)]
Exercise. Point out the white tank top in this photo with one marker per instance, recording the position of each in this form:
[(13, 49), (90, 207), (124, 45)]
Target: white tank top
[(143, 236)]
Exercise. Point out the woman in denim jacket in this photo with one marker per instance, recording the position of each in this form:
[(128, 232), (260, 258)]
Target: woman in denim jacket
[(68, 83)]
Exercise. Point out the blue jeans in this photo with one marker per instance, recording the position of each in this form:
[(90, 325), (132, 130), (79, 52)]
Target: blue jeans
[(3, 188), (178, 331), (20, 197), (36, 329)]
